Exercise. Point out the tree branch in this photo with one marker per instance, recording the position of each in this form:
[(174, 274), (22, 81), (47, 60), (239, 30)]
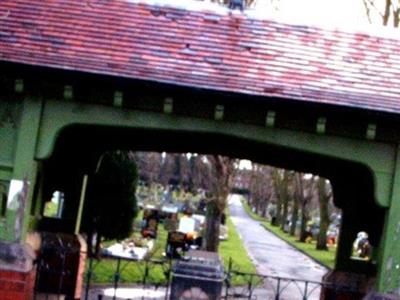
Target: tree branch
[(368, 12), (387, 12), (372, 4)]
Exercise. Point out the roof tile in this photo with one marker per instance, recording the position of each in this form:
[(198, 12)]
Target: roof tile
[(211, 50)]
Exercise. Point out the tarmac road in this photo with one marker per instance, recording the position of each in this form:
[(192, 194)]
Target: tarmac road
[(274, 257)]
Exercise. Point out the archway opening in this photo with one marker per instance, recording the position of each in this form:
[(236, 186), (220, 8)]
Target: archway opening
[(79, 148)]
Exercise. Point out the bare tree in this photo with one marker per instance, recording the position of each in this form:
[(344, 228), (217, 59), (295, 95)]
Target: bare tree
[(297, 198), (389, 12), (220, 175), (284, 195), (324, 196), (261, 188), (149, 164), (281, 180), (307, 189)]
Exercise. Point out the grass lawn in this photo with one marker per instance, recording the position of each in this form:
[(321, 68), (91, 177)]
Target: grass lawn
[(233, 248), (133, 271), (327, 258)]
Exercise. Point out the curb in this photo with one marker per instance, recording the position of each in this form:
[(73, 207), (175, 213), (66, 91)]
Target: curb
[(300, 250), (290, 244)]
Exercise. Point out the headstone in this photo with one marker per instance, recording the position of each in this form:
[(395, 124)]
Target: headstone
[(187, 224)]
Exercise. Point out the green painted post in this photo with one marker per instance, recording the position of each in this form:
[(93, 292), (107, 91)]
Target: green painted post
[(81, 202), (9, 119), (389, 263), (25, 167)]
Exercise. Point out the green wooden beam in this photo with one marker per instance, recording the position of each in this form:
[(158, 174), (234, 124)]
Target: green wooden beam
[(168, 105), (219, 112), (270, 119), (25, 165), (389, 264), (6, 173), (371, 132), (378, 157), (68, 92), (9, 120), (19, 86), (118, 99), (321, 125)]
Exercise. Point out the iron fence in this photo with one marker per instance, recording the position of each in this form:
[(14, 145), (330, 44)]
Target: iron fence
[(147, 276), (267, 287), (55, 279), (260, 286), (58, 266)]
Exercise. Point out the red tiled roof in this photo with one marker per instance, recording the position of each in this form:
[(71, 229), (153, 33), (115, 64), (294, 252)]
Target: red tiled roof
[(205, 49)]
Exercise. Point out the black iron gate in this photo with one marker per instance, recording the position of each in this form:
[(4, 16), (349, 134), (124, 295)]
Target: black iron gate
[(54, 275)]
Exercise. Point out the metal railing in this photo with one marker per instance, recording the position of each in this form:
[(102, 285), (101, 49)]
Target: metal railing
[(52, 275), (54, 279), (267, 287), (260, 286), (146, 268), (57, 269)]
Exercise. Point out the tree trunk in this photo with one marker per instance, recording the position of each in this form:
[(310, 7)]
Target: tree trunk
[(260, 206), (213, 221), (285, 212), (264, 208), (89, 242), (323, 214), (277, 219), (299, 200), (396, 17), (278, 214), (303, 226), (220, 186), (283, 194), (295, 215), (98, 245), (257, 207), (386, 14), (324, 224)]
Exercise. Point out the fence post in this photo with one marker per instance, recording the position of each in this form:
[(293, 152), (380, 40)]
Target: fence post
[(116, 278), (168, 277), (146, 273), (250, 287), (228, 278), (88, 278), (63, 256), (278, 289), (305, 296)]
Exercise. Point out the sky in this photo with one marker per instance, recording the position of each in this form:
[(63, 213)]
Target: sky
[(338, 13)]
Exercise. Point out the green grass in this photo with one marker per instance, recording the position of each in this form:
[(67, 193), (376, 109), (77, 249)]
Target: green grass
[(133, 272), (50, 209), (233, 248), (326, 258)]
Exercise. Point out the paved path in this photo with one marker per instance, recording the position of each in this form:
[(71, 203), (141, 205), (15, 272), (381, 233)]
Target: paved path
[(271, 255)]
